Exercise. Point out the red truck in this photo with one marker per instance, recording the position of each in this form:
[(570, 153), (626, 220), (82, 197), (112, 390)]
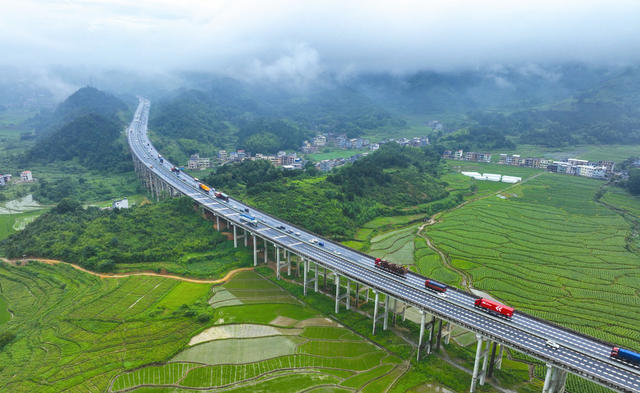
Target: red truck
[(494, 307), (391, 267), (222, 196)]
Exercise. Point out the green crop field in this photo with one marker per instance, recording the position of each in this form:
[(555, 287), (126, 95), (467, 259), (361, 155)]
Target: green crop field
[(75, 332), (315, 353), (617, 153), (550, 250)]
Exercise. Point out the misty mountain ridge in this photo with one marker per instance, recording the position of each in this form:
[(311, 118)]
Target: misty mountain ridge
[(92, 140), (85, 101), (85, 127)]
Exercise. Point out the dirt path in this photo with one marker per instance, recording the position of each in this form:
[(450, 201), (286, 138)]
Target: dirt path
[(467, 279), (124, 275)]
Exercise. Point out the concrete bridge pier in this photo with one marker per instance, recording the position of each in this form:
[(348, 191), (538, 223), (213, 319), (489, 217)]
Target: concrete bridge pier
[(255, 250), (428, 325), (305, 279), (277, 262), (265, 250), (482, 353), (235, 237), (555, 380), (345, 296), (385, 314)]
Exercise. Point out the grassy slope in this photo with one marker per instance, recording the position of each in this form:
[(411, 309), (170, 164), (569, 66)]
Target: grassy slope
[(552, 251)]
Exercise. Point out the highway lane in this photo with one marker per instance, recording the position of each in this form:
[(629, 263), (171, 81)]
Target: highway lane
[(456, 305)]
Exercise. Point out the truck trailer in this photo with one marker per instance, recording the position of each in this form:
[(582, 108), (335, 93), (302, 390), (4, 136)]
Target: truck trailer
[(436, 286), (391, 267), (625, 354), (249, 219), (222, 196), (494, 307)]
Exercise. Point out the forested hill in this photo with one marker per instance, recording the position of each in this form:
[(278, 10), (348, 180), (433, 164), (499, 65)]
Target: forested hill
[(391, 180), (231, 114), (85, 101), (91, 139)]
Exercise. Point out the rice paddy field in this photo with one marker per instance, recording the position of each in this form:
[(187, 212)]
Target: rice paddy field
[(548, 248), (257, 345), (17, 213)]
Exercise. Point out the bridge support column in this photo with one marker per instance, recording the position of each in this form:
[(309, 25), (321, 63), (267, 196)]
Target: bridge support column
[(348, 295), (555, 380), (277, 262), (375, 312), (255, 251), (385, 320), (235, 237), (421, 334), (245, 237), (357, 294), (479, 375), (218, 223), (288, 263), (337, 292), (325, 278), (439, 334), (266, 250), (447, 333), (315, 279), (485, 361), (304, 279), (498, 364)]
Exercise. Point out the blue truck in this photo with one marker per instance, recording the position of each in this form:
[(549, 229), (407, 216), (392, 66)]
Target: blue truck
[(249, 219), (625, 354)]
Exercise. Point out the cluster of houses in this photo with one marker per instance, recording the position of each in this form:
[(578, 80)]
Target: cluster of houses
[(572, 166), (197, 162), (460, 155), (327, 165), (330, 139), (25, 177), (341, 141), (528, 162), (576, 167), (281, 159)]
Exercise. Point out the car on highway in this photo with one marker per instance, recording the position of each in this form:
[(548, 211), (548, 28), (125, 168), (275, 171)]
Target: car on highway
[(552, 344)]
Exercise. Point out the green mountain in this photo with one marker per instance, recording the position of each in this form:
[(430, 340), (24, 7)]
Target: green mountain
[(85, 101), (93, 140), (226, 114)]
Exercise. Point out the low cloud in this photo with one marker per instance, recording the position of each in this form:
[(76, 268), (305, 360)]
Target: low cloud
[(294, 40)]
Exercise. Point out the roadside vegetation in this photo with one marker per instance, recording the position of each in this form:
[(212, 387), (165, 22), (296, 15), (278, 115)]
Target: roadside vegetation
[(169, 236)]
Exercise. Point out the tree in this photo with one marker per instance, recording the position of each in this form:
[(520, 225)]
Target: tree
[(633, 184)]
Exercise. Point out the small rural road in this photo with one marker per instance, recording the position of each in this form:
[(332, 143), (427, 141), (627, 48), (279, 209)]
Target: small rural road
[(124, 275)]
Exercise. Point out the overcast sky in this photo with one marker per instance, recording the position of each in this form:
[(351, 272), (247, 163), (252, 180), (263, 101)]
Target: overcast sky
[(299, 39)]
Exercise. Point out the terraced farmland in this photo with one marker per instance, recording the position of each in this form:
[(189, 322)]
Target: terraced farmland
[(295, 350), (551, 250), (74, 331)]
